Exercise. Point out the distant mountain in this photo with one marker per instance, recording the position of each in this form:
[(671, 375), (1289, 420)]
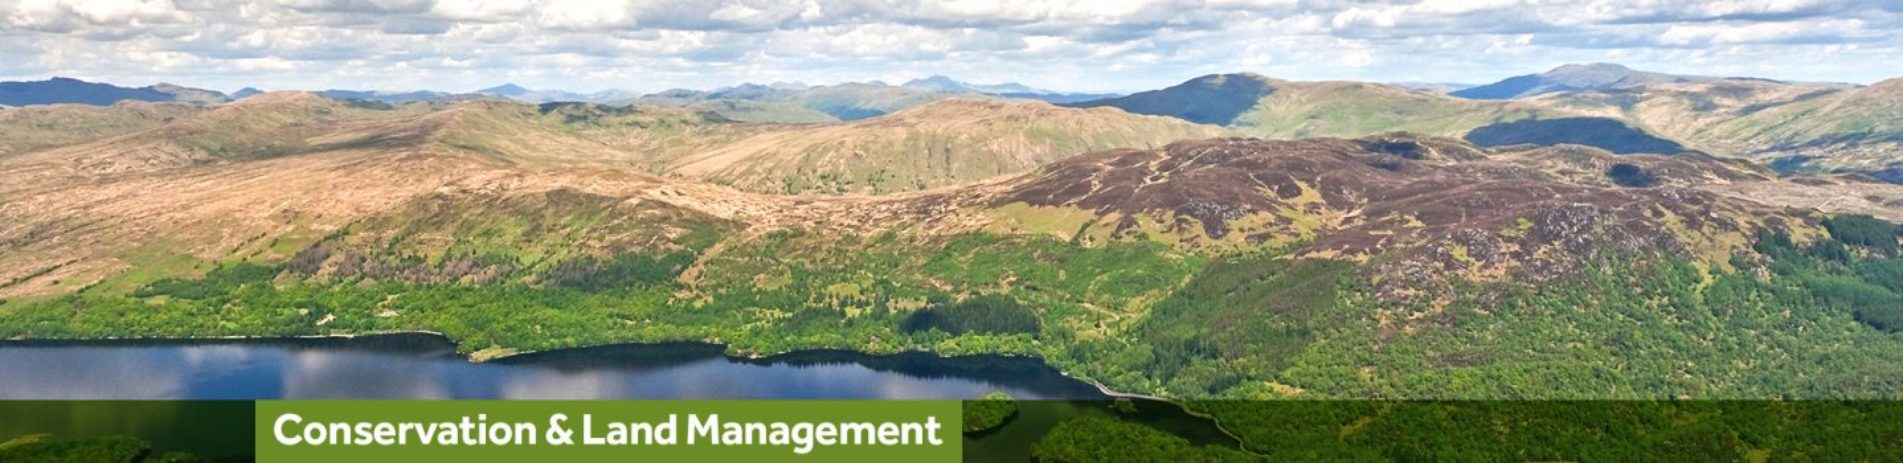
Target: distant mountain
[(508, 90), (519, 93), (847, 102), (246, 92), (67, 90), (1213, 99), (1796, 127), (947, 84), (1254, 105), (385, 97), (1572, 78), (1433, 87), (1007, 90), (750, 91)]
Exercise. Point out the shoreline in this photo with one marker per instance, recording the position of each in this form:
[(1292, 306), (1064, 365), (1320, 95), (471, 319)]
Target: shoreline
[(1109, 394), (1106, 391)]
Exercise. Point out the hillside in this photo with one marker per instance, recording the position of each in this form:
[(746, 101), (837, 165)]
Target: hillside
[(1797, 127), (1394, 266), (264, 126), (935, 145), (37, 127), (942, 143), (931, 146), (1253, 105), (1858, 129)]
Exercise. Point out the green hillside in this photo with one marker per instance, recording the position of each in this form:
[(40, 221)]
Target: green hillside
[(1390, 267)]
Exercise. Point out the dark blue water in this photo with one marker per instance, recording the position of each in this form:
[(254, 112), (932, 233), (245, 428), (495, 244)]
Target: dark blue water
[(427, 367)]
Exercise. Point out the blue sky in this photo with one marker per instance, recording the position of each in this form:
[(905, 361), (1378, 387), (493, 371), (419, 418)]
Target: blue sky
[(588, 45)]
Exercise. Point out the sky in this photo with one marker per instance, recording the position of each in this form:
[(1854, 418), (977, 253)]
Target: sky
[(1095, 46)]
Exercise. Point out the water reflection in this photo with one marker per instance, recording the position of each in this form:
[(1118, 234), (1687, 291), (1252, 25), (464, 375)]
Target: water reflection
[(426, 367)]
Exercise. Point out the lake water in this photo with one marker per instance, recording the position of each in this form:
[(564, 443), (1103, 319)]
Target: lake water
[(419, 366), (427, 367)]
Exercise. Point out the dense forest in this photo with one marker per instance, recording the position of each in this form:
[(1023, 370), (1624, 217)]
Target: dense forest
[(1623, 431)]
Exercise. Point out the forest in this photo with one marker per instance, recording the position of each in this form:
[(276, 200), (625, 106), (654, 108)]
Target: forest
[(1812, 318), (1623, 431)]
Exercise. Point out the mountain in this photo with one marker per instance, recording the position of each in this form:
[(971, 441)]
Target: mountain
[(246, 92), (504, 90), (1216, 99), (1858, 129), (1433, 87), (937, 144), (388, 97), (1391, 266), (66, 90), (931, 146), (1571, 78), (848, 102), (1799, 127), (1254, 105), (947, 84), (519, 93), (1015, 90), (32, 128)]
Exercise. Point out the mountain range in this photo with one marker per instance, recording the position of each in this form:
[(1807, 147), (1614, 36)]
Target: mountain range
[(1234, 236), (66, 90), (1572, 78)]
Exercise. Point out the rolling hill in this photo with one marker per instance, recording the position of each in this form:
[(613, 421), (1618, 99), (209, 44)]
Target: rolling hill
[(1254, 105), (938, 144), (38, 127), (1797, 127), (942, 143), (935, 145)]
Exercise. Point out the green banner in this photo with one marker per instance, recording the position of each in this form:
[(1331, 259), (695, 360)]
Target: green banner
[(581, 431)]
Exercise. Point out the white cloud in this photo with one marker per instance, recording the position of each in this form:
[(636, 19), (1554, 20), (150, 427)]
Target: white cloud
[(1072, 44), (481, 10)]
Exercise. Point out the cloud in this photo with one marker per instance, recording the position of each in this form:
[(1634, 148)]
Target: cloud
[(1072, 44)]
